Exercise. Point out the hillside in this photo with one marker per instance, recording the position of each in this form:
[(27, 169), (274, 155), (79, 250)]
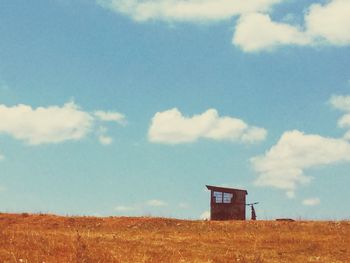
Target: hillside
[(49, 238)]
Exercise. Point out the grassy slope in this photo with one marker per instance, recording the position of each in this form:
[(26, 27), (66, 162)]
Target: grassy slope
[(48, 238)]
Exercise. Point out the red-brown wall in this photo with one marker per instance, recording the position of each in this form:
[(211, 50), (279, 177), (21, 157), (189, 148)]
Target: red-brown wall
[(231, 211)]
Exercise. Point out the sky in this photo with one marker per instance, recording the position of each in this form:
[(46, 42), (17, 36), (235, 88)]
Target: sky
[(131, 107)]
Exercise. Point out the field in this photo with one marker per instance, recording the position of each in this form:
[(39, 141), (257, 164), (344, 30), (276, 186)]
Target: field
[(49, 238)]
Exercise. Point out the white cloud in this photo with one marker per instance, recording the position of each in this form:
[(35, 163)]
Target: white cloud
[(184, 205), (327, 24), (331, 22), (110, 116), (156, 203), (254, 134), (311, 202), (171, 127), (283, 165), (347, 136), (53, 124), (2, 157), (344, 121), (256, 32), (122, 208), (205, 215), (186, 10), (342, 103), (290, 194), (105, 140), (43, 125)]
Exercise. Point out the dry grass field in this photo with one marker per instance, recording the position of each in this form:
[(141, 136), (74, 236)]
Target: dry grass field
[(49, 238)]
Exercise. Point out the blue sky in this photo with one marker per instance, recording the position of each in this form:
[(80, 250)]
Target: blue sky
[(128, 107)]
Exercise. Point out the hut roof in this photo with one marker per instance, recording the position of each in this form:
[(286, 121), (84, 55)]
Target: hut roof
[(225, 189)]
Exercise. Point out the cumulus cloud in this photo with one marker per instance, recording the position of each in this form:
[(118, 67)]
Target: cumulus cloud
[(330, 22), (43, 125), (342, 103), (344, 121), (156, 203), (327, 24), (284, 164), (53, 124), (311, 202), (185, 10), (347, 136), (255, 32), (171, 127)]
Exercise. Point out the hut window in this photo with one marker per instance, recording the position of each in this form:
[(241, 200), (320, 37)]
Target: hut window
[(227, 198), (217, 197)]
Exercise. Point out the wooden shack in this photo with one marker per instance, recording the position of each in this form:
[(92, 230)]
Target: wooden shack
[(227, 203)]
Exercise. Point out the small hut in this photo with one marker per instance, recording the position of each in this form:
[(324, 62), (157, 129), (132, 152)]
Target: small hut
[(227, 203)]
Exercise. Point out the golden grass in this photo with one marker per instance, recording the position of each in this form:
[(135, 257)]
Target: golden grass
[(48, 238)]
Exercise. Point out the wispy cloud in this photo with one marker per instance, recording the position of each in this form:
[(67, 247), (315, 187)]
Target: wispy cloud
[(103, 137), (341, 102), (138, 208), (44, 125), (156, 203), (105, 140), (122, 208), (171, 127), (290, 194), (111, 116), (311, 202), (183, 205)]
